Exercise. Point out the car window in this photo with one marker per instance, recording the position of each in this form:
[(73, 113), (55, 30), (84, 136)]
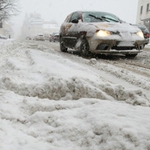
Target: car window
[(75, 16), (68, 18)]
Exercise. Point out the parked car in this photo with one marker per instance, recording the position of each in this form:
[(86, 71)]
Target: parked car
[(94, 32), (145, 31), (54, 37), (40, 37)]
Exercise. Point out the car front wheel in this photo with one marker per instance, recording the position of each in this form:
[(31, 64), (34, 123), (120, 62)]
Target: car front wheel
[(84, 48), (62, 46)]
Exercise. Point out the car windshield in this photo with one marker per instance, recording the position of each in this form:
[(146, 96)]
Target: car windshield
[(100, 17)]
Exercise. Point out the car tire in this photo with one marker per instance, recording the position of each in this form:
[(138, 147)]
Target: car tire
[(131, 55), (62, 46), (84, 49)]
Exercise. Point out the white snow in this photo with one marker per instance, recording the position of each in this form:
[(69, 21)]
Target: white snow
[(51, 102)]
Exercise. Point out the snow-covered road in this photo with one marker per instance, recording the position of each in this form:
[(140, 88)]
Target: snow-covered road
[(60, 101)]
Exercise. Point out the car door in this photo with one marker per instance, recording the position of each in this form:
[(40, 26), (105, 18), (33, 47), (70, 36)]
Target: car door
[(70, 30), (64, 31), (73, 31)]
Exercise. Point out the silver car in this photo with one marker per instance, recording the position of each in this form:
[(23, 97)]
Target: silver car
[(100, 33)]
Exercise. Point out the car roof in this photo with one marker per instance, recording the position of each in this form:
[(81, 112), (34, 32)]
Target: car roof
[(92, 12), (102, 12)]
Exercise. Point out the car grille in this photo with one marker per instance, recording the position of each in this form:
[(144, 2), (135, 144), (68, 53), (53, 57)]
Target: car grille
[(104, 46), (122, 48)]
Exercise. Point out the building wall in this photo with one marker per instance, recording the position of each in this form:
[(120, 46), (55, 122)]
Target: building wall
[(34, 25), (6, 30), (143, 13)]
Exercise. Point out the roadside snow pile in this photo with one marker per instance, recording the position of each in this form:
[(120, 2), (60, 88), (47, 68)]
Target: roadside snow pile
[(49, 102), (86, 124), (40, 74), (6, 44)]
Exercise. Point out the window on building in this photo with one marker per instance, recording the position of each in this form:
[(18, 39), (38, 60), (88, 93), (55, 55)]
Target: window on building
[(147, 9), (141, 9)]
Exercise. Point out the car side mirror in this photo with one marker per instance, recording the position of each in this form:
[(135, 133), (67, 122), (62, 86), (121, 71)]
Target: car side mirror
[(75, 21)]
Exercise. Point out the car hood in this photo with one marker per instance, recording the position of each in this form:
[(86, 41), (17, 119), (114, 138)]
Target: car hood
[(91, 28), (116, 27)]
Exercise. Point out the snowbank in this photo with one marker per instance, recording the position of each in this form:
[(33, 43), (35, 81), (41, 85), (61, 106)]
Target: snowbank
[(49, 102)]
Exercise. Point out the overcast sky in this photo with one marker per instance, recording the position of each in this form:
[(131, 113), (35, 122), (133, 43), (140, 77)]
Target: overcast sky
[(59, 9)]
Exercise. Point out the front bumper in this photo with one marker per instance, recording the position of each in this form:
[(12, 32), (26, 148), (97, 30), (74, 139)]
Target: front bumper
[(115, 46)]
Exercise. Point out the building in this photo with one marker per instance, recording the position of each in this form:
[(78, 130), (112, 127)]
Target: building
[(6, 30), (143, 13), (34, 25)]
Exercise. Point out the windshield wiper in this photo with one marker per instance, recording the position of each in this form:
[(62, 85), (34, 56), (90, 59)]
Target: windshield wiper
[(102, 19), (110, 19)]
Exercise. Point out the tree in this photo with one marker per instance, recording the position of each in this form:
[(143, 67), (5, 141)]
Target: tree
[(8, 8)]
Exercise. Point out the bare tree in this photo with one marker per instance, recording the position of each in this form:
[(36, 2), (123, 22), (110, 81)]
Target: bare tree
[(8, 8)]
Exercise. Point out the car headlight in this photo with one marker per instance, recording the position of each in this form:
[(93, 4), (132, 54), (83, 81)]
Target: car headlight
[(140, 33), (103, 33)]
